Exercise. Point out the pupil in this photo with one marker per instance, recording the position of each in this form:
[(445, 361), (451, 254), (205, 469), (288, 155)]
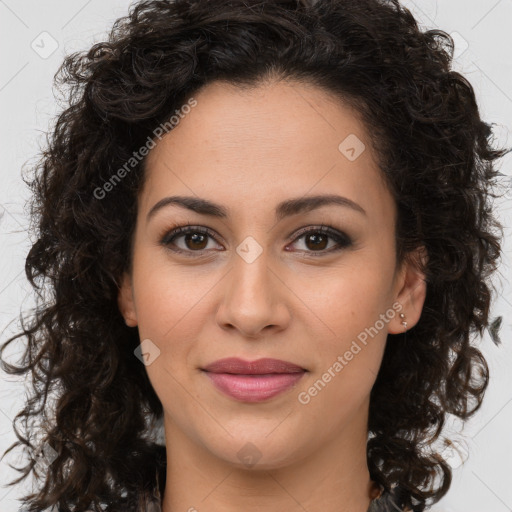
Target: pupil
[(315, 238), (196, 238)]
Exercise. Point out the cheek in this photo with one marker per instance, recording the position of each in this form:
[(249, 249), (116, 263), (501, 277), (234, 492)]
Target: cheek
[(170, 300), (343, 316), (347, 299), (351, 338), (171, 308), (171, 311)]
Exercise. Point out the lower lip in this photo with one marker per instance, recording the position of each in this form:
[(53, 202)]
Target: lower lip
[(254, 388)]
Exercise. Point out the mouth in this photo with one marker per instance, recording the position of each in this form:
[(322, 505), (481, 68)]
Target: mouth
[(237, 366), (254, 381)]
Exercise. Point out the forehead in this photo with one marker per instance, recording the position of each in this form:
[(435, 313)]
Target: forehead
[(277, 140)]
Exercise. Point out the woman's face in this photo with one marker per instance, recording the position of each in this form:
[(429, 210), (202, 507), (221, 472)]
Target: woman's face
[(264, 282)]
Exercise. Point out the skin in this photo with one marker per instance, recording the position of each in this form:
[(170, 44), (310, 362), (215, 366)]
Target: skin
[(248, 151)]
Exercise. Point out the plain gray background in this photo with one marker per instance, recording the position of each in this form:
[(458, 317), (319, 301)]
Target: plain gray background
[(35, 36)]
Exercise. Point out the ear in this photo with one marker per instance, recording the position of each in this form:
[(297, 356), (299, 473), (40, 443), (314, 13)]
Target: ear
[(125, 301), (411, 290)]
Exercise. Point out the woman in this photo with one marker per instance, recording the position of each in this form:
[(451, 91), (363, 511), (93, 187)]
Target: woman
[(266, 232)]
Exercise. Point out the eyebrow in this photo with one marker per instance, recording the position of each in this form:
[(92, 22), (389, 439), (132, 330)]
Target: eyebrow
[(284, 209)]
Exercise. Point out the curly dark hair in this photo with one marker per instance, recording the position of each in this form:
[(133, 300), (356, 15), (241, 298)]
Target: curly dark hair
[(92, 401)]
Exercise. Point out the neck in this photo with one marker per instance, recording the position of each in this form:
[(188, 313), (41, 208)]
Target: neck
[(332, 477)]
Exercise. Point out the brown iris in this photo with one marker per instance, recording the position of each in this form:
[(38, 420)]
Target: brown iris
[(200, 240), (315, 237)]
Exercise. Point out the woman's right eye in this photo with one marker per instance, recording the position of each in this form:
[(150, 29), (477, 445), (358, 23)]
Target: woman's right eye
[(194, 239)]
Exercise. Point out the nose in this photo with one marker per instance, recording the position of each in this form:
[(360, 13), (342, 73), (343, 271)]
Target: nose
[(253, 299)]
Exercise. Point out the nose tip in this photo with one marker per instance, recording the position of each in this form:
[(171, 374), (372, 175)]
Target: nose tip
[(256, 330), (253, 301)]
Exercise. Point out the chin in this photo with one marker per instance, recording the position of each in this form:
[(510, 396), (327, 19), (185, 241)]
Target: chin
[(258, 452)]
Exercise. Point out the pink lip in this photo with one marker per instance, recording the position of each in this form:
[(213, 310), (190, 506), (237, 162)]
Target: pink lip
[(254, 381)]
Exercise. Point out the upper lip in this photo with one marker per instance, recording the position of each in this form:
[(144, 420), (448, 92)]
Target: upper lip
[(261, 366)]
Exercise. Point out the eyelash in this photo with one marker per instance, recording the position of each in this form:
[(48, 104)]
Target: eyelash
[(343, 241)]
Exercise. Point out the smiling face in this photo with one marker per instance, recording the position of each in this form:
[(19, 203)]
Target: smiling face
[(254, 278)]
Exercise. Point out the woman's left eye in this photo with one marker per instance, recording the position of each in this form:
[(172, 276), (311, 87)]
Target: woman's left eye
[(316, 240)]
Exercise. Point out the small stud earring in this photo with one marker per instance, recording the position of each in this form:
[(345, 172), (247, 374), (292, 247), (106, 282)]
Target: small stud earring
[(404, 323)]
